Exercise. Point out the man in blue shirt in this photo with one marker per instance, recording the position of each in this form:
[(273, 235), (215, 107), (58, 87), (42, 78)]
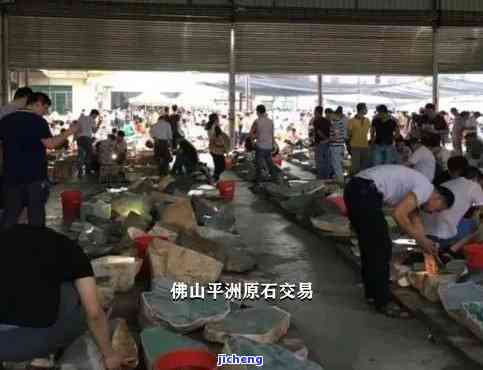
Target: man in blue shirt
[(26, 136)]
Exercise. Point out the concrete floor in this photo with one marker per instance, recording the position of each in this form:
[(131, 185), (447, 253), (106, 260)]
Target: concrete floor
[(340, 330)]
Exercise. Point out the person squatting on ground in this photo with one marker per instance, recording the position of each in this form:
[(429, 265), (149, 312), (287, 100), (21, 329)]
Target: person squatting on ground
[(51, 300)]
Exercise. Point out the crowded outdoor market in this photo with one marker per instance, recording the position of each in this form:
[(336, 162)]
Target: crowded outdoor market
[(240, 184)]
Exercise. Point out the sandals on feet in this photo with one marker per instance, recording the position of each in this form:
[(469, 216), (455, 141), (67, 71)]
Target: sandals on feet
[(394, 311)]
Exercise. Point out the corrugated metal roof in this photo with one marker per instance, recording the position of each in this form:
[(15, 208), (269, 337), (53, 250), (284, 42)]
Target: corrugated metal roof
[(326, 4), (333, 49), (71, 43), (396, 4), (460, 49), (462, 5)]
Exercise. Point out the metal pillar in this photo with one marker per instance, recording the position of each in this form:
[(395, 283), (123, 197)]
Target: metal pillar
[(232, 85), (248, 94), (435, 67), (320, 95), (5, 73)]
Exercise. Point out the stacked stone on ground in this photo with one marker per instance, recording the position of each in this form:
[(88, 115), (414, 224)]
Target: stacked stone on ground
[(182, 264)]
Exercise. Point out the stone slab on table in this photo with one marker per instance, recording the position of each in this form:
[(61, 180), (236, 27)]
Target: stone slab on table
[(263, 325)]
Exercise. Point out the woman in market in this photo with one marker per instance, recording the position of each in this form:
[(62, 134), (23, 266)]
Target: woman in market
[(219, 145)]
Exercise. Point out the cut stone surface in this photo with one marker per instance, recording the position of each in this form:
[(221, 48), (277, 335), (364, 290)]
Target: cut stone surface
[(121, 271), (274, 356), (473, 313), (454, 295), (105, 295), (182, 264), (263, 325), (83, 353), (428, 284), (180, 215), (333, 223), (183, 316), (124, 343), (126, 203), (135, 220), (157, 342)]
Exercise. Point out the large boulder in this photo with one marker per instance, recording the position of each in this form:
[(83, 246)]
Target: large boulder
[(98, 208), (126, 203), (182, 264), (184, 315), (262, 325), (180, 216), (119, 270), (236, 255), (135, 220)]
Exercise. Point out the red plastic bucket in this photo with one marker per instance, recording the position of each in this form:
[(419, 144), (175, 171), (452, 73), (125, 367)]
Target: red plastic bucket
[(142, 244), (71, 205), (277, 160), (338, 201), (186, 359), (227, 190), (474, 256)]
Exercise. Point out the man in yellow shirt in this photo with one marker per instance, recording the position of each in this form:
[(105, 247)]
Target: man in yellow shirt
[(357, 130)]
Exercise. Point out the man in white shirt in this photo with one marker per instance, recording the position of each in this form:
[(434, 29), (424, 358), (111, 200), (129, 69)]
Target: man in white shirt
[(162, 135), (365, 196), (422, 159), (84, 137), (449, 227), (262, 132)]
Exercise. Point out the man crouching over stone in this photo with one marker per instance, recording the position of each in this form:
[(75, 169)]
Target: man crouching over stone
[(407, 191), (48, 295)]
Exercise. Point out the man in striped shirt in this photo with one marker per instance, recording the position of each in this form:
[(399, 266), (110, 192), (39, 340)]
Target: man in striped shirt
[(337, 138)]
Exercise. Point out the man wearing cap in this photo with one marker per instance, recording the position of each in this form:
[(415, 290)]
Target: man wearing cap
[(405, 190)]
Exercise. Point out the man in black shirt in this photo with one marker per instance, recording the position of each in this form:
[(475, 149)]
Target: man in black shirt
[(48, 290), (321, 127), (383, 131), (26, 136)]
